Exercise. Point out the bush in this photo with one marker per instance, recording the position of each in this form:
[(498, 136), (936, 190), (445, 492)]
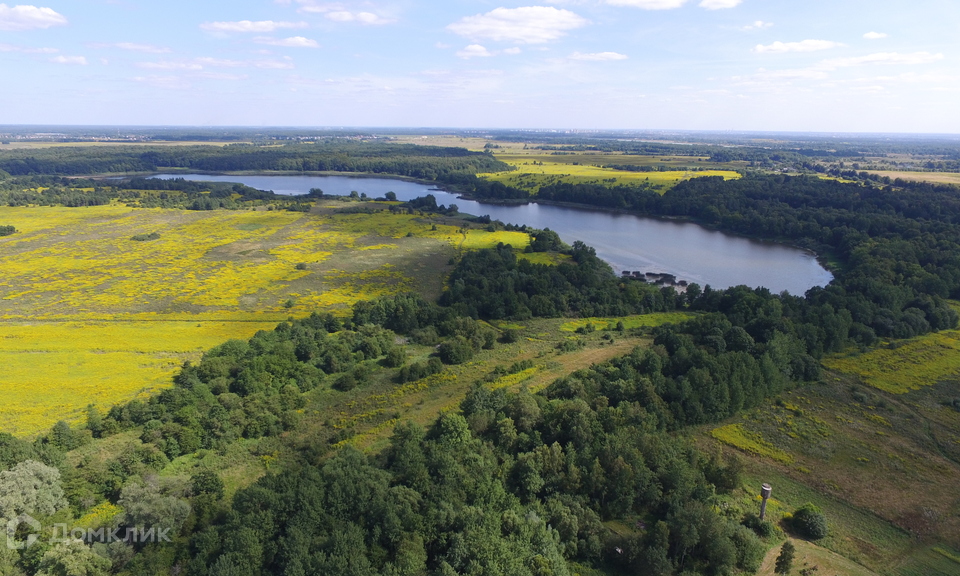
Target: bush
[(425, 336), (141, 237), (750, 549), (413, 372), (456, 351), (809, 522), (395, 358), (7, 230), (207, 482), (763, 528), (345, 383), (510, 336), (589, 328)]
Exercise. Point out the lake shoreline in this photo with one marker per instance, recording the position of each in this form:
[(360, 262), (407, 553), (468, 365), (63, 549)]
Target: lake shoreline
[(441, 187), (692, 250)]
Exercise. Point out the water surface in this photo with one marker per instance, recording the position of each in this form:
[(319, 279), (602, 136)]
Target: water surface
[(626, 242)]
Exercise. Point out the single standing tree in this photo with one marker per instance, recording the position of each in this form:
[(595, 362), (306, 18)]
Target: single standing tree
[(785, 559)]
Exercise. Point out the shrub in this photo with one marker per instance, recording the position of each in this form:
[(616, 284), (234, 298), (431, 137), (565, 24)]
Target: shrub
[(7, 230), (425, 336), (143, 237), (763, 528), (809, 521), (750, 549), (456, 351), (510, 336), (345, 383), (207, 482), (413, 372), (396, 357)]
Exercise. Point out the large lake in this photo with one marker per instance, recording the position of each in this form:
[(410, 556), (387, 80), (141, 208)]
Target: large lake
[(626, 242)]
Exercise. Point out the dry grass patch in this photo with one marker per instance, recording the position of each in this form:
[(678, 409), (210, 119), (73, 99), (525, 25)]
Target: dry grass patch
[(809, 555)]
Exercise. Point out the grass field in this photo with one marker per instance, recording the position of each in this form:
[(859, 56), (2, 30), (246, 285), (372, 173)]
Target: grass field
[(532, 172), (934, 561), (904, 365), (809, 555), (884, 467), (536, 168), (88, 315), (934, 177), (643, 321)]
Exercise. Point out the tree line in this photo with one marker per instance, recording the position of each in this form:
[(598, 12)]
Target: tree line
[(426, 162)]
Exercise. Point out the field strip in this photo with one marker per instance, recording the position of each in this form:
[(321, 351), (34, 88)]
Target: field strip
[(53, 370)]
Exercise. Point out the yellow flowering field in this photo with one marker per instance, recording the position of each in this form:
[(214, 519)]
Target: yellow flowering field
[(637, 321), (52, 370), (532, 175), (89, 315), (909, 365)]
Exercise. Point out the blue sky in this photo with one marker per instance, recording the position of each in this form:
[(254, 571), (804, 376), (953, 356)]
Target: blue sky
[(813, 65)]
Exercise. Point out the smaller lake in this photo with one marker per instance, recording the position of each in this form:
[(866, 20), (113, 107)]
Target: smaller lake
[(626, 242)]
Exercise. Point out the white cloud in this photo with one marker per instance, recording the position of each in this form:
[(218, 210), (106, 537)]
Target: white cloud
[(887, 58), (25, 50), (474, 51), (514, 50), (874, 35), (165, 65), (149, 48), (294, 42), (821, 70), (273, 64), (248, 26), (368, 18), (197, 64), (529, 25), (170, 82), (18, 18), (802, 46), (220, 63), (219, 76), (442, 46), (789, 74), (73, 60), (133, 47), (649, 4), (598, 56), (719, 4), (758, 25)]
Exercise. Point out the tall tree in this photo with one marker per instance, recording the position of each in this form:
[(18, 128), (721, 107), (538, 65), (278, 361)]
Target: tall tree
[(785, 559)]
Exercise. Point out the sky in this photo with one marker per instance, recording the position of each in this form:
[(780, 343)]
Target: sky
[(772, 65)]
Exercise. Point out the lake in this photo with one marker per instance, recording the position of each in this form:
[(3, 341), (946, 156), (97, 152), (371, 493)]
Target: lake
[(626, 242)]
